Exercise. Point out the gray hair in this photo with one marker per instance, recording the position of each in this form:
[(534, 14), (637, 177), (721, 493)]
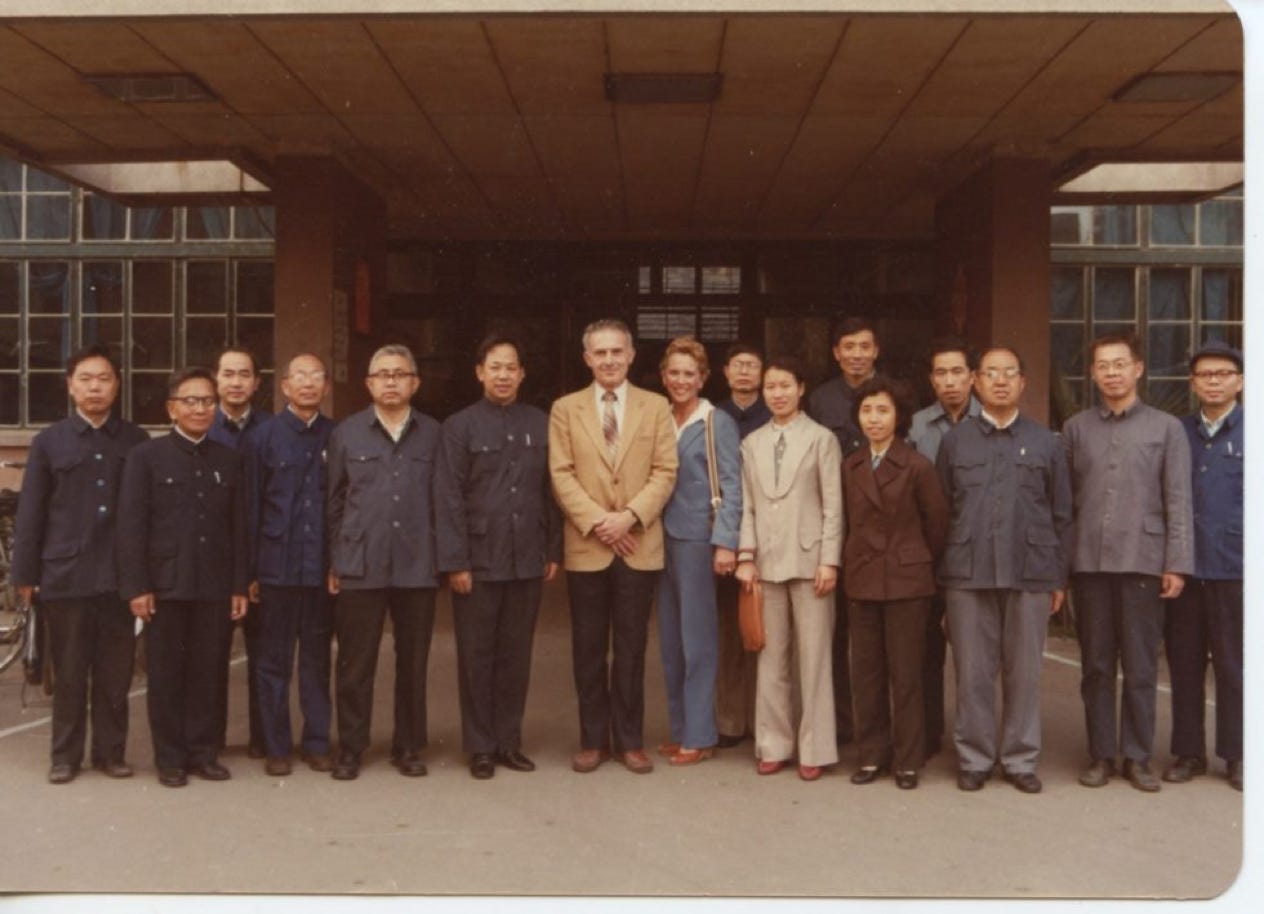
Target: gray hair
[(396, 349), (305, 355), (607, 323)]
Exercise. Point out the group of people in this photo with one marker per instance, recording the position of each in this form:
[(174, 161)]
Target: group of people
[(874, 534)]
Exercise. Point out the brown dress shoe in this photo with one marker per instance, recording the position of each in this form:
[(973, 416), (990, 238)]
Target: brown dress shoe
[(586, 760), (1098, 773), (667, 750), (116, 768), (636, 761), (277, 766), (690, 756), (318, 762), (62, 773), (1140, 776), (1185, 768)]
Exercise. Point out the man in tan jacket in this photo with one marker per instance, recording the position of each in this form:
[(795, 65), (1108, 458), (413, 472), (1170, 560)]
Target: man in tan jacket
[(612, 456)]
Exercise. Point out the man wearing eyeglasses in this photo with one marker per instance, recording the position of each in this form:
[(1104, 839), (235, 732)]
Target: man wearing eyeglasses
[(380, 516), (182, 567), (1132, 543), (951, 377), (1208, 613), (285, 470), (64, 548), (1003, 571)]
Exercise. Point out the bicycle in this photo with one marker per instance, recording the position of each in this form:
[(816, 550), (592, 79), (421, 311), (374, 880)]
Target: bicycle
[(16, 616)]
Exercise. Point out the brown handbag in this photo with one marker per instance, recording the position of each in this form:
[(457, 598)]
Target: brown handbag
[(750, 616)]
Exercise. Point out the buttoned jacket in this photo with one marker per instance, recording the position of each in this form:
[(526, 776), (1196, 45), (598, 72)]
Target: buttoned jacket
[(830, 405), (1218, 465), (588, 484), (688, 514), (896, 522), (930, 424), (64, 539), (792, 523), (228, 434)]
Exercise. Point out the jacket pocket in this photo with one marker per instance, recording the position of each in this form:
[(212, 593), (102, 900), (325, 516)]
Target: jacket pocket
[(348, 557), (957, 563), (1041, 557), (1153, 525)]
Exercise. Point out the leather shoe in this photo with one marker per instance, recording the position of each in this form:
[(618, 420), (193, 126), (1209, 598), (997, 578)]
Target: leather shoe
[(256, 750), (347, 768), (906, 780), (1025, 781), (809, 772), (636, 761), (409, 764), (1184, 769), (690, 756), (277, 766), (586, 760), (210, 770), (1140, 776), (62, 773), (482, 765), (1235, 774), (728, 741), (172, 777), (764, 766), (667, 750), (867, 774), (515, 760), (116, 768), (972, 780), (318, 761), (1098, 773)]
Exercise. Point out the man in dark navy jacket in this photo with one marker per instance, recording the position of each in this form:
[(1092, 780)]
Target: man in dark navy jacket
[(182, 565), (64, 548), (285, 469)]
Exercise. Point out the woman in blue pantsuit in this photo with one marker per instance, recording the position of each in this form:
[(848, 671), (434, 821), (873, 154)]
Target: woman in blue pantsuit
[(699, 544)]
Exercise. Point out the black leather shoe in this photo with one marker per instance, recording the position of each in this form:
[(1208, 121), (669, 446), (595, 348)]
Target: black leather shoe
[(906, 780), (868, 774), (62, 773), (1185, 768), (1140, 776), (172, 777), (482, 765), (114, 769), (1235, 774), (728, 741), (1026, 781), (347, 767), (1098, 773), (972, 780), (409, 764), (515, 761), (210, 771)]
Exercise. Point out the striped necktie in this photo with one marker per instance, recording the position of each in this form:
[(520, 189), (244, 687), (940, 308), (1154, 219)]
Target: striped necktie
[(778, 451), (610, 423)]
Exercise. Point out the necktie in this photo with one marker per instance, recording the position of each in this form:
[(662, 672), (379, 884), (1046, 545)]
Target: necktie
[(610, 423), (875, 460), (778, 452)]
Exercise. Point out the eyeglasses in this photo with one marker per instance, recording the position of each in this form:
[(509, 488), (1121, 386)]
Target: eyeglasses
[(392, 375), (304, 376), (745, 364), (1220, 374), (1117, 365), (193, 402), (993, 374)]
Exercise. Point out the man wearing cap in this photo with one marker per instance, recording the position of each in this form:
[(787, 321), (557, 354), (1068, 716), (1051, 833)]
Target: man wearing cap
[(1208, 613)]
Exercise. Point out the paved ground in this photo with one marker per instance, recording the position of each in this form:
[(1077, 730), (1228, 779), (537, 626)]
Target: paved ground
[(716, 829)]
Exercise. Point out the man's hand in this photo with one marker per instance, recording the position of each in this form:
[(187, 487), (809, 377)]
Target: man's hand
[(1171, 586), (614, 526), (332, 584), (252, 591), (1059, 598), (550, 571), (237, 608), (143, 606), (825, 579), (461, 582), (747, 574), (624, 545), (724, 561), (25, 594)]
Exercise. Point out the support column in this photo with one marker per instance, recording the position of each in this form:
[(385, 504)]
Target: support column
[(330, 260), (994, 266)]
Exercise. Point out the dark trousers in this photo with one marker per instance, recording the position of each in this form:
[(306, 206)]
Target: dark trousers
[(735, 667), (286, 617), (610, 607), (495, 626), (1206, 618), (933, 674), (92, 642), (1119, 621), (843, 718), (250, 637), (359, 616), (185, 651), (888, 642)]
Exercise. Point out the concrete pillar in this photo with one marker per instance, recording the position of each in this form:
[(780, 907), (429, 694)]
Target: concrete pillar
[(330, 275), (993, 233)]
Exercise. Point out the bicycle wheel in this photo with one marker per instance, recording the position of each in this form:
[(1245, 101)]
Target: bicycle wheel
[(13, 618)]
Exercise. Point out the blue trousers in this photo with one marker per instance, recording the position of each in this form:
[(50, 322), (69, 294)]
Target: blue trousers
[(1206, 618), (689, 641), (290, 616)]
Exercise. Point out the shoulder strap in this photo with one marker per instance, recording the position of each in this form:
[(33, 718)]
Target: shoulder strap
[(712, 473)]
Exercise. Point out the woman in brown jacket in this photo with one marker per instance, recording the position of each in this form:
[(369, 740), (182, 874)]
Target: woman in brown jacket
[(897, 519)]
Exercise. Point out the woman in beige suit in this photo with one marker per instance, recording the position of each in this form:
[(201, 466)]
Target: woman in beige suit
[(791, 540)]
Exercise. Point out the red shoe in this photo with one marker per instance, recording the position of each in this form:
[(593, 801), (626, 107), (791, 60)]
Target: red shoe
[(767, 767), (809, 772), (690, 756), (667, 750)]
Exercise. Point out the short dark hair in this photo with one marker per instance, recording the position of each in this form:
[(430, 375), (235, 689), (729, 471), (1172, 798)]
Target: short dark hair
[(896, 390), (1005, 347), (240, 350), (93, 351), (787, 363), (847, 326), (491, 341), (741, 348), (1116, 338), (192, 373), (946, 344)]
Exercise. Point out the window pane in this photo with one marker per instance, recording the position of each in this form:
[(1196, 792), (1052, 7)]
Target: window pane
[(254, 222), (1172, 224), (48, 217), (254, 287), (10, 286), (10, 399), (1067, 301), (1222, 295), (10, 216), (204, 337), (1113, 293), (49, 342), (103, 219), (1169, 294), (108, 331), (205, 290), (149, 398), (207, 222), (103, 288), (1169, 350), (38, 181), (1225, 333), (151, 287), (10, 354), (255, 333), (48, 288), (153, 223), (679, 280), (1169, 395), (1071, 225), (1102, 328), (151, 343), (1222, 222), (10, 176), (1115, 225), (48, 398), (1067, 349), (721, 280), (643, 278)]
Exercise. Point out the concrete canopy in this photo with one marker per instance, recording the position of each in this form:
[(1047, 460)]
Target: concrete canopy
[(832, 123)]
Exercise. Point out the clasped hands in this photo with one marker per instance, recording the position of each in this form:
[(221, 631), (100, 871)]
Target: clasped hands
[(615, 530)]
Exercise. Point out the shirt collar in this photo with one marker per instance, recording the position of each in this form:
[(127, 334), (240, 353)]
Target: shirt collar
[(189, 444), (793, 423), (84, 424), (620, 392), (306, 423), (1106, 412), (1211, 427), (237, 425), (403, 429), (699, 414), (987, 417)]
